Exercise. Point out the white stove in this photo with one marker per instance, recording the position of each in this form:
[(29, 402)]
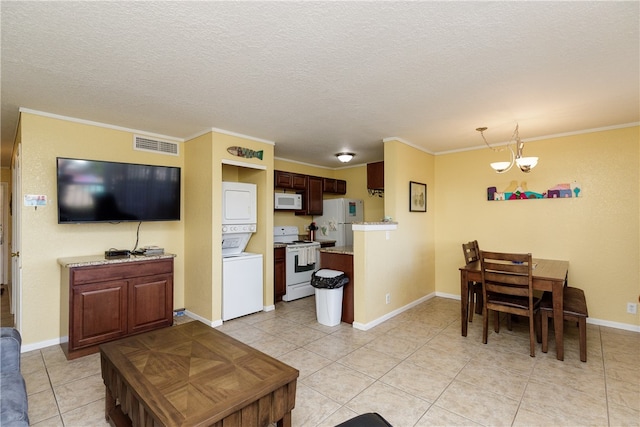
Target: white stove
[(303, 258)]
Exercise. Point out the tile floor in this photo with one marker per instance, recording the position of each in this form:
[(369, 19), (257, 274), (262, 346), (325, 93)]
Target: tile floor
[(414, 369)]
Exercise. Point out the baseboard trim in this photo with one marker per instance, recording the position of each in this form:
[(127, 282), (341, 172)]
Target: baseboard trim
[(591, 320), (394, 313)]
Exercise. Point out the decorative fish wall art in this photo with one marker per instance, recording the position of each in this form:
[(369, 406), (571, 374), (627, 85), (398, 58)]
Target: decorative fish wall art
[(244, 152)]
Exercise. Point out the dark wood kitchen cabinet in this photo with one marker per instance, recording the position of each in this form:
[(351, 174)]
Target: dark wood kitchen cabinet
[(112, 301), (289, 180), (279, 274), (312, 197), (334, 186), (375, 176)]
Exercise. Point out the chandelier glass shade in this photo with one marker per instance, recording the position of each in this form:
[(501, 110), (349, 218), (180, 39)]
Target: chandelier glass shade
[(524, 163)]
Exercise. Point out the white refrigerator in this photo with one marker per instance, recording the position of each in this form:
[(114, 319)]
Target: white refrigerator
[(336, 220)]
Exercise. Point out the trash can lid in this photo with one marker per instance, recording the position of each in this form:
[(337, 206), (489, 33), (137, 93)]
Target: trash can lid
[(328, 273)]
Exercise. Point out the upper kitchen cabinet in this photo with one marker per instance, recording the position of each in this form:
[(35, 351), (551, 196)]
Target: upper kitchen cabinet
[(293, 181), (335, 186), (375, 176), (312, 197)]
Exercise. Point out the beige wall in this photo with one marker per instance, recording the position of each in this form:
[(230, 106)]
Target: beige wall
[(400, 262), (356, 178), (44, 240), (597, 233), (198, 200), (209, 163)]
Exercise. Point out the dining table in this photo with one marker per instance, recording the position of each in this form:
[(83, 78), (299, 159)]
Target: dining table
[(548, 275)]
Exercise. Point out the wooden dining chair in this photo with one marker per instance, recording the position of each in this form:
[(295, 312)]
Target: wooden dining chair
[(471, 252), (507, 287)]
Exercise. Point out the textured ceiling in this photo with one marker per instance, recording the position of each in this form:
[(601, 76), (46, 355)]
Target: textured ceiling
[(322, 77)]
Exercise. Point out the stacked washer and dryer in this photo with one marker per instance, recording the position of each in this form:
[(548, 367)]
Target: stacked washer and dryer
[(242, 277)]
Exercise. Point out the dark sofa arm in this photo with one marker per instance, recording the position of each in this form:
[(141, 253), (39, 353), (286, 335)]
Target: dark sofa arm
[(10, 342)]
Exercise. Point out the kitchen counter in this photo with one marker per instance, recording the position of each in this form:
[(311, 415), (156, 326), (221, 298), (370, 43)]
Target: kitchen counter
[(323, 243), (84, 261), (376, 223), (344, 250)]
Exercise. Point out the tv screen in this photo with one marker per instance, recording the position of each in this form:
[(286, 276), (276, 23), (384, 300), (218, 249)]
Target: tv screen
[(97, 191)]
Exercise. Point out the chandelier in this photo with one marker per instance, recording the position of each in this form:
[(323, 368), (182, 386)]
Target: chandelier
[(524, 163)]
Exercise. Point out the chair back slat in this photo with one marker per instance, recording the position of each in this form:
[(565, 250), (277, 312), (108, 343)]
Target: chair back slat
[(501, 288), (507, 273), (471, 251)]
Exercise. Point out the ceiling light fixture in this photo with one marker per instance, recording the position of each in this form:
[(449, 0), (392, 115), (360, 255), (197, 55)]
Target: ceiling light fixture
[(345, 157), (524, 163)]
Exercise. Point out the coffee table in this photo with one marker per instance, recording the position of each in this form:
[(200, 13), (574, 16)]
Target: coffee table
[(194, 375)]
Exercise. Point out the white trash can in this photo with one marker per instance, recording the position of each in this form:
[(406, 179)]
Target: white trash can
[(329, 289), (329, 306)]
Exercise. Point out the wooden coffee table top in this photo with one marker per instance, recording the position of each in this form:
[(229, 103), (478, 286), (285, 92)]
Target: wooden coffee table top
[(193, 374)]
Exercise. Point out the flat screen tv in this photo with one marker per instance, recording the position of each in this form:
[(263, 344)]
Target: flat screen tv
[(98, 191)]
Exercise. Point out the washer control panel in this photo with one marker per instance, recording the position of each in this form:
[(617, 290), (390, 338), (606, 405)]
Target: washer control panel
[(240, 228)]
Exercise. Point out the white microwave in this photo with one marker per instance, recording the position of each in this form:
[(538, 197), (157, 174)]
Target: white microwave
[(288, 201)]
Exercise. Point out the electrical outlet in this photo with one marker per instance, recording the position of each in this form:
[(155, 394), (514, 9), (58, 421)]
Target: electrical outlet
[(632, 308), (388, 298)]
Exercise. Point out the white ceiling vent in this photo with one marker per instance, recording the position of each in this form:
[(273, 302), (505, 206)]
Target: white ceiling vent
[(143, 143)]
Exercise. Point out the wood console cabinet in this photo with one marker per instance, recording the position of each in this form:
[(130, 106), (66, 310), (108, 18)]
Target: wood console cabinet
[(114, 300)]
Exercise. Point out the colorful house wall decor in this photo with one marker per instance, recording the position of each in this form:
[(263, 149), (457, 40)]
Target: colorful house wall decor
[(517, 191)]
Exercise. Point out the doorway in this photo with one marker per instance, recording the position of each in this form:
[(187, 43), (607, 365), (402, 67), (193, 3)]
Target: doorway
[(6, 317), (16, 264)]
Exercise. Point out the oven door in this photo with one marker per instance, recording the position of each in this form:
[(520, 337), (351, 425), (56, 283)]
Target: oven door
[(298, 273), (298, 277)]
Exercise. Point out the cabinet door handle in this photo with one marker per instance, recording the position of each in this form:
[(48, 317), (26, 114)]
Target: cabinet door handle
[(15, 254)]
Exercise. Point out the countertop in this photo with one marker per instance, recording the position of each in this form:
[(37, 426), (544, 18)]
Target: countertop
[(85, 261), (277, 245), (376, 223), (345, 250)]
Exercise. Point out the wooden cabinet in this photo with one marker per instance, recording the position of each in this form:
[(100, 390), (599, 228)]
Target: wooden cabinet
[(150, 303), (279, 274), (342, 262), (311, 188), (99, 313), (312, 197), (293, 181), (375, 176), (335, 186), (111, 301)]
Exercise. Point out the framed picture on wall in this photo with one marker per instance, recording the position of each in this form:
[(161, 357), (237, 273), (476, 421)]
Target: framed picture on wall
[(417, 197)]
